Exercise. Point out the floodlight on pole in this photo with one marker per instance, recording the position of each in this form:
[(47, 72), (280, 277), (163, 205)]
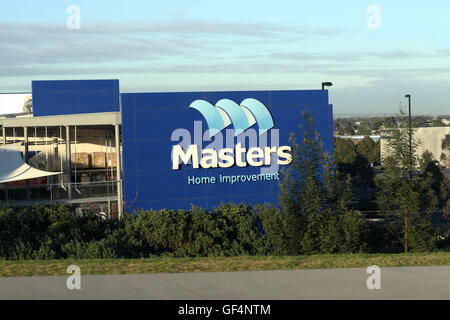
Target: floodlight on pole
[(326, 84), (408, 96)]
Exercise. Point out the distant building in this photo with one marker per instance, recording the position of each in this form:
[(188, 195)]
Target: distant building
[(430, 139), (357, 138)]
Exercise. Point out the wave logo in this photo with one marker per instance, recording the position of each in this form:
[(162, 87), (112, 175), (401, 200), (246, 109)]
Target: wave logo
[(226, 112)]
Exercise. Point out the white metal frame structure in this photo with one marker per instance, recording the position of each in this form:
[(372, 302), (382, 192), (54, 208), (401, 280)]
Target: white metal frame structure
[(68, 121)]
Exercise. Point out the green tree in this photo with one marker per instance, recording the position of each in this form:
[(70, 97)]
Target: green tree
[(343, 127), (445, 147), (376, 125), (389, 122), (364, 131), (429, 167), (420, 122), (315, 201), (446, 143), (301, 186), (350, 161), (345, 155), (406, 198), (370, 149), (426, 160), (437, 123)]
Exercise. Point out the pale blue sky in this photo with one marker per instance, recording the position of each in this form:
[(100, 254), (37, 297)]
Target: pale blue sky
[(237, 45)]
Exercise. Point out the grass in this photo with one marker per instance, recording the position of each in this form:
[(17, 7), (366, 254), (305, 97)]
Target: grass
[(218, 264)]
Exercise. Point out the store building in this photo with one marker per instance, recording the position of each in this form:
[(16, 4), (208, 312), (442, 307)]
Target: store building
[(87, 144)]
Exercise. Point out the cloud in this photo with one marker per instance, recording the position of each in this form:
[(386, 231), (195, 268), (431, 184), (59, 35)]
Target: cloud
[(384, 96), (200, 54), (44, 49), (184, 45)]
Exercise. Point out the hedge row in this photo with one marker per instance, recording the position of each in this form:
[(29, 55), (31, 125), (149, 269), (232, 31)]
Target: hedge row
[(53, 232)]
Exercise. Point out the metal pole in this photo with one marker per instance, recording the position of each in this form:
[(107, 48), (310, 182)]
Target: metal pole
[(107, 178), (46, 150), (110, 160), (60, 154), (25, 157), (49, 179), (4, 145), (111, 168), (76, 156), (25, 142), (118, 174), (410, 137), (4, 135), (68, 156)]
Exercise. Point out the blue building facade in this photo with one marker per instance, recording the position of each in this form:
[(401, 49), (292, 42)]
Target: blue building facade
[(150, 119), (157, 175), (64, 97)]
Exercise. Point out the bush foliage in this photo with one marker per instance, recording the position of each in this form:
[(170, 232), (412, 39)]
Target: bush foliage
[(53, 232)]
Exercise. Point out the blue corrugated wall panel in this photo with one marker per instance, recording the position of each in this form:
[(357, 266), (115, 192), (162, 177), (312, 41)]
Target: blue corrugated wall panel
[(148, 120), (62, 97)]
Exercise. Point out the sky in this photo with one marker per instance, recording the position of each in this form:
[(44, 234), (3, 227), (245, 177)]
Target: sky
[(374, 52)]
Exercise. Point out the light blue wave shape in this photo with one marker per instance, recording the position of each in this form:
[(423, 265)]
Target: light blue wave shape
[(236, 114), (211, 115), (261, 114)]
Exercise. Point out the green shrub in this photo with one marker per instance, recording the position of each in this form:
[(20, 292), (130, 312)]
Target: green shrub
[(96, 249), (274, 226), (20, 251), (53, 232), (40, 232), (227, 230), (45, 252)]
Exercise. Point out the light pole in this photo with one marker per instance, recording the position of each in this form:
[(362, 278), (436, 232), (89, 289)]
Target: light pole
[(326, 84), (410, 135)]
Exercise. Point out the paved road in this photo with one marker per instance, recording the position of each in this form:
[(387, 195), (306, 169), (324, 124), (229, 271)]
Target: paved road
[(396, 283)]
